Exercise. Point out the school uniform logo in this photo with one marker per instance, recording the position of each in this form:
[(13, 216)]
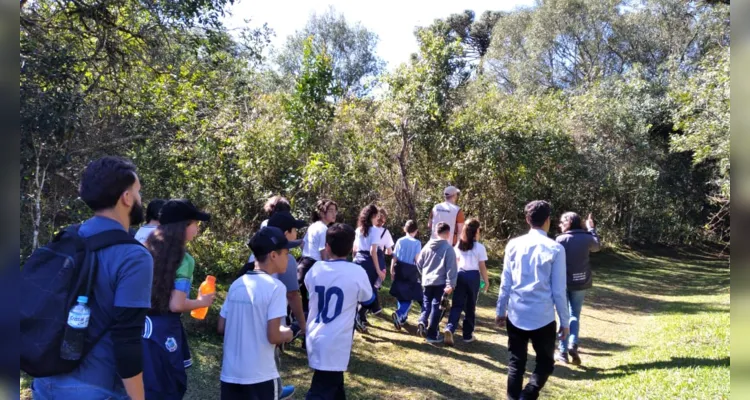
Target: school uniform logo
[(171, 344)]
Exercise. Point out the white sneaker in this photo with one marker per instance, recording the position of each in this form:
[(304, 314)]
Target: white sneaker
[(448, 337)]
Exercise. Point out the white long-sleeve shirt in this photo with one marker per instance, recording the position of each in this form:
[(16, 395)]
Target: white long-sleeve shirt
[(534, 282)]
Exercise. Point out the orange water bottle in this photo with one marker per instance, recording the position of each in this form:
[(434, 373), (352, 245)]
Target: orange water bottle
[(207, 287)]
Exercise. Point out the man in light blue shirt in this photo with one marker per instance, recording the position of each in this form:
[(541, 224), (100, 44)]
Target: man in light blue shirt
[(533, 286)]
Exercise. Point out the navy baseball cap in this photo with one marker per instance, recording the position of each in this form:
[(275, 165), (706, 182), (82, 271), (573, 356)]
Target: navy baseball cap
[(181, 210), (285, 221), (270, 238)]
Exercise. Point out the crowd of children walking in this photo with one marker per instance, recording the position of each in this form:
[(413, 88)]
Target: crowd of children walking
[(322, 296)]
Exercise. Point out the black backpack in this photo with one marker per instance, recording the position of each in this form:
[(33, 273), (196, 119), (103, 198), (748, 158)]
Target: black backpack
[(51, 281)]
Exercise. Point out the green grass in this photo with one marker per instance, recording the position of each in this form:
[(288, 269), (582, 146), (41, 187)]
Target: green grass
[(655, 325)]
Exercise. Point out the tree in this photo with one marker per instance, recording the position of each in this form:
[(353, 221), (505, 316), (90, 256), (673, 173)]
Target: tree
[(701, 114), (351, 48), (418, 101)]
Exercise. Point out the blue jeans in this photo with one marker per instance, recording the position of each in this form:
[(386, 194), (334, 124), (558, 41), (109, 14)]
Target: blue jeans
[(575, 304), (431, 309), (464, 300), (68, 388)]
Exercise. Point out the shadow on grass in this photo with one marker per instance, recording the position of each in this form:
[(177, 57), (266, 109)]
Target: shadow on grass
[(641, 273), (388, 375), (594, 373), (604, 298)]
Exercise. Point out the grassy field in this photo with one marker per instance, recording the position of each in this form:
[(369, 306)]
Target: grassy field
[(656, 325)]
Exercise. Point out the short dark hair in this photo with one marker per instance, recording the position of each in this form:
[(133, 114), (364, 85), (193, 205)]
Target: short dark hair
[(275, 204), (340, 237), (152, 211), (262, 258), (104, 180), (442, 227), (537, 212), (410, 226)]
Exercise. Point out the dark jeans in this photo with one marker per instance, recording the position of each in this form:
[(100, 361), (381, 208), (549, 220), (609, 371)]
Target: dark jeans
[(464, 299), (431, 309), (268, 390), (327, 385), (543, 340), (303, 267)]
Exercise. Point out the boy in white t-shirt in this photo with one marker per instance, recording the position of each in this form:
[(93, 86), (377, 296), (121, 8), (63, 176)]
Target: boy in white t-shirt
[(336, 286), (250, 320)]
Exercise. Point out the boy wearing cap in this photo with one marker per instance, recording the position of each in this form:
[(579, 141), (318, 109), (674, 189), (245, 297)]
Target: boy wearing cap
[(336, 286), (289, 225), (449, 213), (250, 320)]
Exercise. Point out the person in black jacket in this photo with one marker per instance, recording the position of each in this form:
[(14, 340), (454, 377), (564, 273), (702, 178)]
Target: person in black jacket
[(578, 243)]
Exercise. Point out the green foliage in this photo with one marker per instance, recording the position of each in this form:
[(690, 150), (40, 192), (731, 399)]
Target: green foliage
[(620, 109), (351, 48)]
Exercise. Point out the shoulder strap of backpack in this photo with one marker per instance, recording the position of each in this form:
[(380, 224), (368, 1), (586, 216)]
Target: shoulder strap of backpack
[(109, 238), (100, 241), (383, 234)]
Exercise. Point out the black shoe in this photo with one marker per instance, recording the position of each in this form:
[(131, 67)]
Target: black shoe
[(396, 321), (576, 359), (561, 357), (359, 325)]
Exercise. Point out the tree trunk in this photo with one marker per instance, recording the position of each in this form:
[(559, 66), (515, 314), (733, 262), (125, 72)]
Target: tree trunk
[(39, 181), (408, 195)]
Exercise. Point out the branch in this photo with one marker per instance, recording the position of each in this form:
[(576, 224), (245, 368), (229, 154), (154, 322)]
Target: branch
[(110, 143)]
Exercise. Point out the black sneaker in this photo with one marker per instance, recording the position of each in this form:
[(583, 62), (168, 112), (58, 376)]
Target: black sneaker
[(421, 330), (359, 325), (561, 357), (396, 321), (576, 359)]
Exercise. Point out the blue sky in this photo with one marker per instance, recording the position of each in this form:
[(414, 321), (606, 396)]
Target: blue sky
[(392, 20)]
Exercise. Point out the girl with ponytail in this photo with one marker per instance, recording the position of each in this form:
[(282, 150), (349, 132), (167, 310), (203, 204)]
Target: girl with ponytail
[(471, 257)]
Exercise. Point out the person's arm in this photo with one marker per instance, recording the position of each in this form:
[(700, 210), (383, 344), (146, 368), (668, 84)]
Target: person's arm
[(132, 301), (221, 325), (429, 223), (460, 219), (595, 244), (451, 270), (394, 260), (179, 303), (126, 336), (558, 285), (134, 387), (320, 240), (295, 303), (506, 283), (277, 333)]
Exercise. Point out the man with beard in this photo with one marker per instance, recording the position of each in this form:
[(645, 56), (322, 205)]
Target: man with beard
[(113, 368)]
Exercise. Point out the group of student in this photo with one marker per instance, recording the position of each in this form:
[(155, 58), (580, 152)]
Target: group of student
[(141, 292)]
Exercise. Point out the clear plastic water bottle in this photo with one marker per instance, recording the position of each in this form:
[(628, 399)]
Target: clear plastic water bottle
[(75, 331)]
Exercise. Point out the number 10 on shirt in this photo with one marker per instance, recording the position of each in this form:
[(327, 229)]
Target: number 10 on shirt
[(324, 303)]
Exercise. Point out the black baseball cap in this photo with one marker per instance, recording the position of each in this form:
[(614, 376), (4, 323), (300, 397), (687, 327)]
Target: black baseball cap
[(285, 221), (270, 238), (181, 210)]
